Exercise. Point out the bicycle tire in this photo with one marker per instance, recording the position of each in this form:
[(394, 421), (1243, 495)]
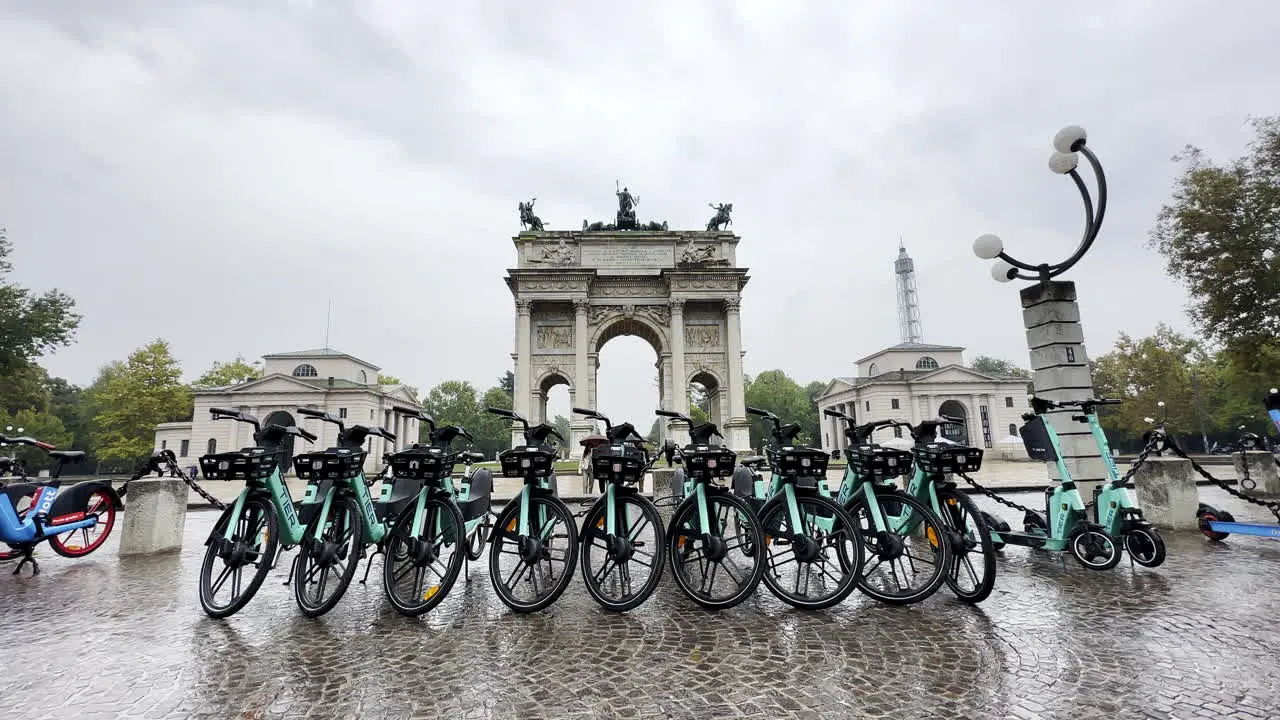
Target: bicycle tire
[(506, 530), (421, 552), (956, 505), (678, 541), (254, 507), (848, 563), (883, 546), (1094, 534), (311, 552), (1150, 546), (107, 505), (626, 549)]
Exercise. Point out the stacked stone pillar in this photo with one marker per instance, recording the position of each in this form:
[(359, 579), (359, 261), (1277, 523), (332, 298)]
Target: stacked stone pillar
[(1060, 371)]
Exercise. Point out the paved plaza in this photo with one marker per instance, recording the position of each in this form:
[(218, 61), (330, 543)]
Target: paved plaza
[(104, 637)]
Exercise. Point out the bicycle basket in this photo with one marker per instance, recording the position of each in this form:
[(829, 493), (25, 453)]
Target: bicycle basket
[(799, 462), (422, 462), (618, 463), (331, 464), (1036, 439), (942, 458), (707, 462), (247, 464), (527, 461), (881, 463)]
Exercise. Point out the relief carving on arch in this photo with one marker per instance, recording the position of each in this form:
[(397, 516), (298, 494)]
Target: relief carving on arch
[(702, 336), (555, 337)]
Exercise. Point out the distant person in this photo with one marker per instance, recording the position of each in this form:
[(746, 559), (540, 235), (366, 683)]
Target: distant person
[(584, 467)]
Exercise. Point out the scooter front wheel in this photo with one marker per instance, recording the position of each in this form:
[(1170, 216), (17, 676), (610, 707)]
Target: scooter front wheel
[(1095, 548), (1145, 546), (1207, 514)]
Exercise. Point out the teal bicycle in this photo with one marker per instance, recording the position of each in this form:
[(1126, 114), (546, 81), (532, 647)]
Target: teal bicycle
[(813, 554), (535, 540), (339, 516), (713, 534), (437, 526), (248, 534), (623, 543), (971, 574)]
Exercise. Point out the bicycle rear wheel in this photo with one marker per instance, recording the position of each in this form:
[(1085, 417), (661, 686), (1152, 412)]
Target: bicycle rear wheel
[(906, 562), (622, 570), (725, 553), (803, 564), (79, 543), (253, 544), (972, 575), (529, 572), (421, 567), (325, 565)]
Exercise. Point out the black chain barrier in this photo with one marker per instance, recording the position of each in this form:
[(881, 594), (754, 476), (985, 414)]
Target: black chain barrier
[(191, 483), (1273, 506)]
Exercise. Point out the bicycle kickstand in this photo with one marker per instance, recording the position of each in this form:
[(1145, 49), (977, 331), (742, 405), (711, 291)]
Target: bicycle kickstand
[(293, 568), (369, 565), (28, 558)]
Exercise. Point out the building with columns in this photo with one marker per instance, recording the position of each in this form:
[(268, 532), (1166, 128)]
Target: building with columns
[(325, 380), (917, 381)]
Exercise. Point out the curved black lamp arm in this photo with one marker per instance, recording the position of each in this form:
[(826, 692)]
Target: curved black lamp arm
[(1063, 163)]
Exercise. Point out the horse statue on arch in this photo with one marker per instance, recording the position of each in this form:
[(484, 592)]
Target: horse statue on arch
[(529, 221)]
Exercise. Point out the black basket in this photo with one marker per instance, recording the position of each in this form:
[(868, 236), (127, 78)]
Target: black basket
[(880, 463), (799, 462), (707, 462), (943, 458), (247, 464), (526, 461), (1036, 439), (423, 462), (331, 464), (618, 463)]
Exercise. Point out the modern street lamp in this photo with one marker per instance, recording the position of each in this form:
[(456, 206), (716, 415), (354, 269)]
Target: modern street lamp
[(1068, 145)]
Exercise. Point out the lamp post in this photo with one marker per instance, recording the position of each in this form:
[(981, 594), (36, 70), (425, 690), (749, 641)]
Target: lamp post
[(1069, 145)]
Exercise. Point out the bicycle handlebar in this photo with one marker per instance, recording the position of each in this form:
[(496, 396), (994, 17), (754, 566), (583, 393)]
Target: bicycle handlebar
[(27, 440)]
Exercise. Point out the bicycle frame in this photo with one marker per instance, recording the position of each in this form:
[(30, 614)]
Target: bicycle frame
[(291, 528), (854, 486), (1114, 505), (1064, 505), (32, 528)]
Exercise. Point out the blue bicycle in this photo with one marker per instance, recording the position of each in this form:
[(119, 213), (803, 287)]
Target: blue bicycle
[(76, 521)]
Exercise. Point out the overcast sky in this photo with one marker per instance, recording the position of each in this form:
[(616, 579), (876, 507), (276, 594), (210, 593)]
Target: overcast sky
[(214, 173)]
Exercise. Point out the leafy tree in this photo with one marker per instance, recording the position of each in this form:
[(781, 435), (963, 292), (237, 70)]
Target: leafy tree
[(995, 366), (774, 391), (453, 402), (388, 380), (42, 426), (24, 386), (133, 398), (1146, 371), (30, 324), (508, 383), (70, 404), (493, 434), (229, 373), (561, 424), (1220, 235)]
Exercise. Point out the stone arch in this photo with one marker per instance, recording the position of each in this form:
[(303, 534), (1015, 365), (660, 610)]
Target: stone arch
[(713, 387), (955, 433), (629, 325), (550, 378), (284, 418)]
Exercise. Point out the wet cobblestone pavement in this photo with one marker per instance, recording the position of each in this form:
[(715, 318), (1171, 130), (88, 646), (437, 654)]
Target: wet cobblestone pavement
[(104, 637)]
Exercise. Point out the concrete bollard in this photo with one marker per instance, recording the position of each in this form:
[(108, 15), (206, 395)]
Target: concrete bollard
[(664, 485), (155, 513), (1166, 489), (1262, 471)]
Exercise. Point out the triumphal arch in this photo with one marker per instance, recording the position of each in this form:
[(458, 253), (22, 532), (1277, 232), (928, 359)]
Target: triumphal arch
[(679, 290)]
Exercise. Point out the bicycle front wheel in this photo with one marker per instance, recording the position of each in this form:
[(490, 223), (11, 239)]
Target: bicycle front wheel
[(718, 568), (251, 548), (813, 563), (972, 575), (421, 567), (325, 564), (529, 572), (623, 569), (907, 561)]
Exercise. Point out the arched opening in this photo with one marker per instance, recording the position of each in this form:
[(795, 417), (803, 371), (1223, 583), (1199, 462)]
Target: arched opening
[(705, 399), (630, 375), (873, 371), (1013, 429), (553, 405), (956, 433), (926, 363), (213, 446), (305, 370), (280, 417)]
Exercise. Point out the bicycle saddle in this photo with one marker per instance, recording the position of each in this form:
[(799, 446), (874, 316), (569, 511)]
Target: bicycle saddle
[(752, 461), (67, 455)]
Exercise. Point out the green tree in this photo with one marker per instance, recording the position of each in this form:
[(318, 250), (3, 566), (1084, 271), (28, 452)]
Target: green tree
[(71, 405), (995, 366), (229, 373), (393, 380), (561, 424), (43, 426), (1146, 371), (507, 381), (133, 398), (1220, 235), (453, 402), (24, 386), (30, 324), (493, 434), (775, 391)]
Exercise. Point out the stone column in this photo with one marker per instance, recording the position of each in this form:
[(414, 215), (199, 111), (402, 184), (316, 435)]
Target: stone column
[(974, 426), (155, 515), (679, 399), (524, 367), (1262, 471), (1166, 490), (738, 428), (579, 394), (1060, 371)]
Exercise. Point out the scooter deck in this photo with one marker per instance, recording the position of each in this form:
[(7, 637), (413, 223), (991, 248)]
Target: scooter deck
[(1271, 531), (1024, 539)]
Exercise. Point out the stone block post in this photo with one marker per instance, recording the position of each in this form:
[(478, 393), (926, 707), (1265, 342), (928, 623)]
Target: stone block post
[(1060, 371), (666, 482), (1262, 471), (1166, 489), (155, 514)]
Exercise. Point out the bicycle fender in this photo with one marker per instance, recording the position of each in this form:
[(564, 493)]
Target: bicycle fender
[(72, 499)]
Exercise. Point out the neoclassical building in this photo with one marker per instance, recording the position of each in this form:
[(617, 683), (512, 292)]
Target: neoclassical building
[(915, 381), (325, 379)]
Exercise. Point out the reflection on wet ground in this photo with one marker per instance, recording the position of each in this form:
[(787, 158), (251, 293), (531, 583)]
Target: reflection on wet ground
[(104, 637)]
